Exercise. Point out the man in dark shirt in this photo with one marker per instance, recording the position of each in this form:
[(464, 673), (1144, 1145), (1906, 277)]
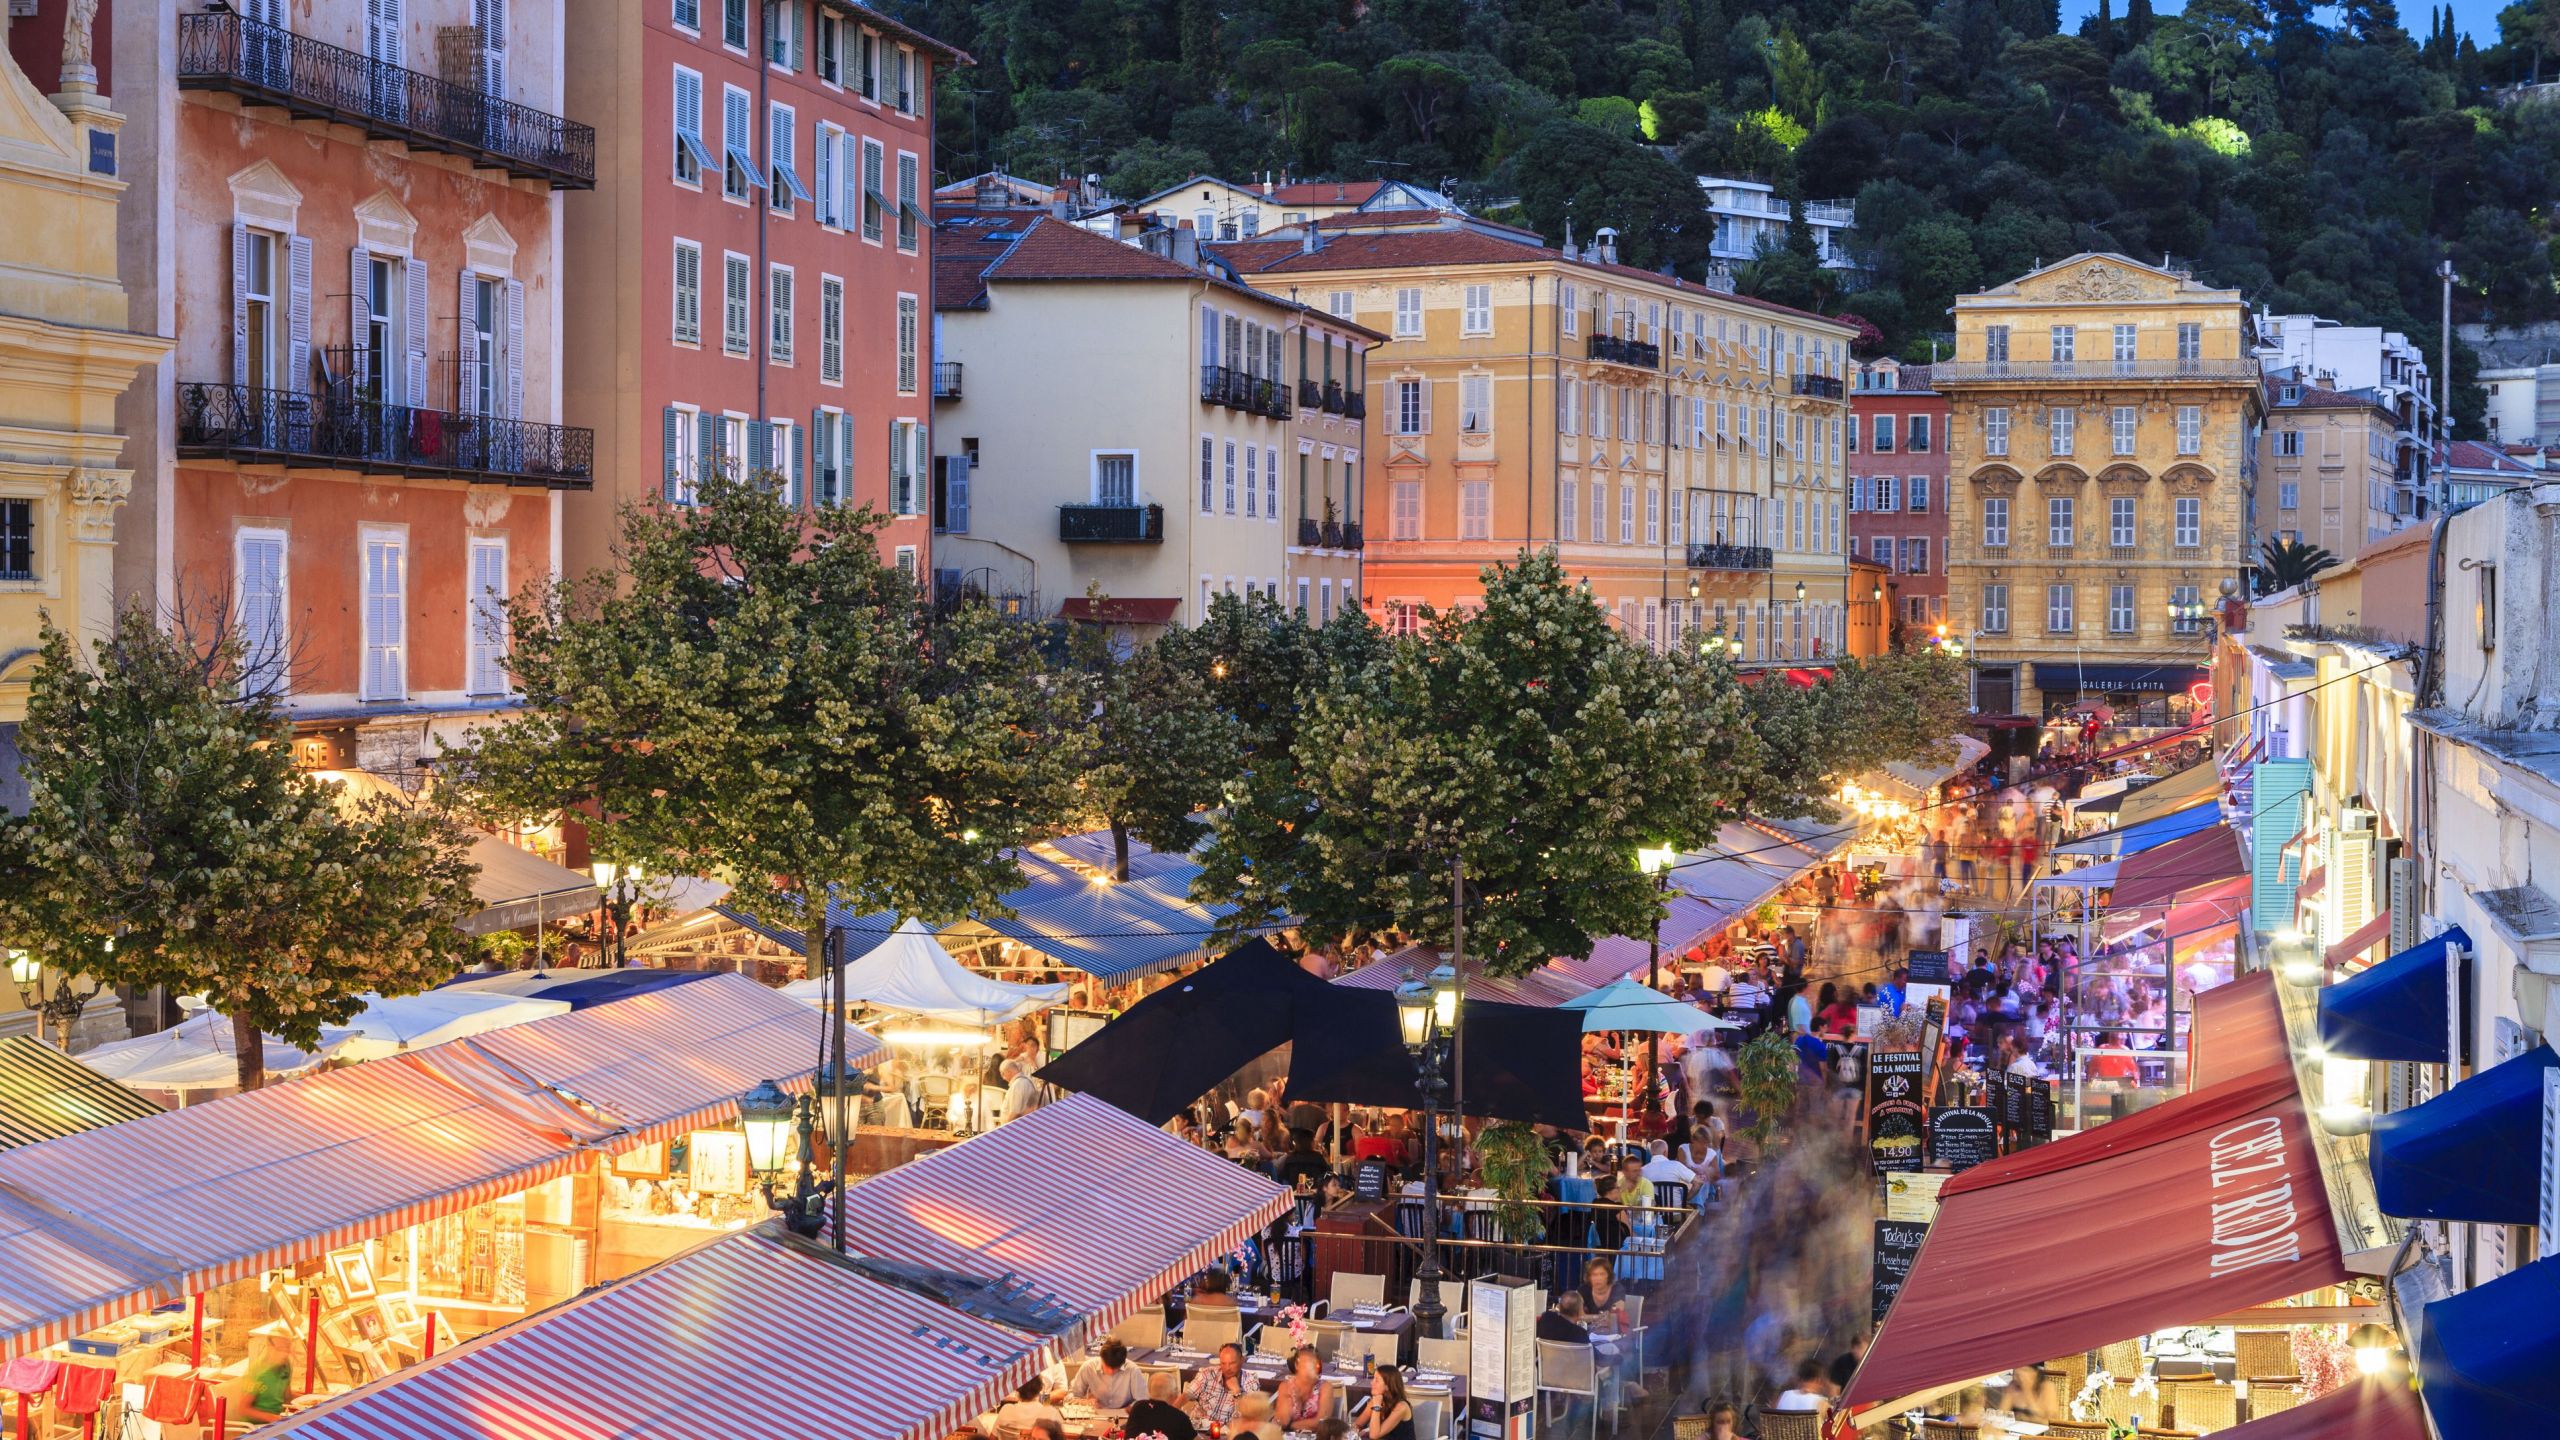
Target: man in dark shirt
[(1302, 1162), (1158, 1414), (1564, 1323)]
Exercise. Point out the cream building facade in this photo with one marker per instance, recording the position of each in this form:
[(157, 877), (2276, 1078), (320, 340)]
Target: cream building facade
[(1680, 448), (2103, 454), (2329, 469)]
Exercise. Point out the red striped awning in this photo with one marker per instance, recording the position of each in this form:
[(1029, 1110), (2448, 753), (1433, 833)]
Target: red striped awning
[(2312, 885), (221, 1191), (2363, 938), (2157, 876), (1090, 1204), (2239, 1030), (753, 1334)]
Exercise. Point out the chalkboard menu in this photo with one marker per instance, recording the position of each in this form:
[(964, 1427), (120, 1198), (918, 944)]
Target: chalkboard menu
[(1369, 1179), (2010, 1095), (1896, 1117), (1897, 1249), (1928, 967), (1962, 1136), (2039, 1111)]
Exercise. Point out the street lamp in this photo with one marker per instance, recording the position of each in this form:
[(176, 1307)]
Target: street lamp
[(620, 885), (58, 1009), (770, 1117), (1657, 861), (1427, 1015), (1714, 644), (1695, 589), (2372, 1345)]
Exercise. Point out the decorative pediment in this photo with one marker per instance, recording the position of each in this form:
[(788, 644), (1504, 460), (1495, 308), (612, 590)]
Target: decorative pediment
[(1995, 477), (488, 248), (262, 194), (2121, 474), (2062, 473), (2097, 279), (385, 225), (2187, 475)]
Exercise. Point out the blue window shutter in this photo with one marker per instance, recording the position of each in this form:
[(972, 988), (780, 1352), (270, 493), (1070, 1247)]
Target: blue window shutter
[(674, 483), (759, 447)]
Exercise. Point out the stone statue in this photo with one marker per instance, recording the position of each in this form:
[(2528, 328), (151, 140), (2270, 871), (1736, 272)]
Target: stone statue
[(79, 69)]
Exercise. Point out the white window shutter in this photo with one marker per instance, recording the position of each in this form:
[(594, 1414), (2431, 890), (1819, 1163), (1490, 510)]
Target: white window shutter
[(2548, 1228), (467, 389), (298, 348), (674, 480), (515, 349), (261, 584), (239, 304), (416, 391), (359, 308), (488, 618)]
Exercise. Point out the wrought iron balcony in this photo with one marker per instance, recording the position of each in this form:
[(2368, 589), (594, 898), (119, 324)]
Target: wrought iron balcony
[(1730, 557), (2023, 372), (243, 422), (1333, 399), (1356, 405), (1351, 539), (1609, 349), (1111, 524), (1310, 395), (270, 65), (1818, 387), (946, 379), (1245, 391), (1329, 534)]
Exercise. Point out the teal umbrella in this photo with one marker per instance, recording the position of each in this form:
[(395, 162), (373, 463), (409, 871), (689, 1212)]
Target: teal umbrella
[(1630, 1004)]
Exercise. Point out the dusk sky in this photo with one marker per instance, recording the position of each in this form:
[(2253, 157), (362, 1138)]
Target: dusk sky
[(2478, 18)]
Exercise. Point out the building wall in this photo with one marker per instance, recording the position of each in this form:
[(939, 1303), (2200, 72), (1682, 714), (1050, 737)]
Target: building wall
[(1325, 481), (1059, 374), (2217, 473), (2338, 475), (1910, 537), (1667, 485), (633, 367), (1240, 212), (2514, 415)]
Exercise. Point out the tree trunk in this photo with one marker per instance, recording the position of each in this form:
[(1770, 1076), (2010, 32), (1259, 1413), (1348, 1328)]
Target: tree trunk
[(1119, 850), (250, 1050)]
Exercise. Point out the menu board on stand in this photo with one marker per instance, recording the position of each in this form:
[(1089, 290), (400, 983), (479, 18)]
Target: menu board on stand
[(1897, 1250), (1502, 1357), (2039, 1128), (1896, 1117), (1962, 1136)]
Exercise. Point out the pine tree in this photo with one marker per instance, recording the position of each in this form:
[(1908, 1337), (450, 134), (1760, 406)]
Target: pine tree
[(2138, 21), (2100, 28)]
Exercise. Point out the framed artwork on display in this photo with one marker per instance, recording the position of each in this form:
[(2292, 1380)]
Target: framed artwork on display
[(353, 1272), (719, 1162), (646, 1162), (399, 1312), (333, 1296)]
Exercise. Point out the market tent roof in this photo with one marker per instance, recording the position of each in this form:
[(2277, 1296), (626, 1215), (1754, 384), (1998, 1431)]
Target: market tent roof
[(1518, 1062), (2161, 873), (388, 1025), (2375, 1409), (2134, 839), (2195, 784), (1685, 921), (518, 889), (200, 1053), (1097, 1210), (45, 1093), (1173, 1046), (681, 1350), (1415, 962), (279, 1175), (2197, 916), (2490, 1356), (1627, 1005), (2239, 1030), (2199, 1206), (2472, 1153), (578, 988), (2397, 1010), (1912, 780), (911, 972), (2088, 877)]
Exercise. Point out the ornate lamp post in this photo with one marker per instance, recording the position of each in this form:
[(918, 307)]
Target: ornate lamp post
[(771, 1118), (59, 1009), (621, 886), (1427, 1012)]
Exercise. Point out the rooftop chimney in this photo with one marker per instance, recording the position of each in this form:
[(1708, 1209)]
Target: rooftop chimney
[(1310, 239), (1186, 246), (1604, 244)]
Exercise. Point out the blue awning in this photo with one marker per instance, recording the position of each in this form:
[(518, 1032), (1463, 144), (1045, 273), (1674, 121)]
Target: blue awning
[(2473, 1153), (2397, 1010), (2490, 1356), (2159, 830)]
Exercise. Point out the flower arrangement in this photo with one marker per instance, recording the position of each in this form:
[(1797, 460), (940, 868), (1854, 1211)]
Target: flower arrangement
[(1295, 1317), (2322, 1359)]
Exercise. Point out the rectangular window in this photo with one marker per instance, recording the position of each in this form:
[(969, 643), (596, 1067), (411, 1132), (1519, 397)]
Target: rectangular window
[(782, 33), (2190, 343), (487, 617), (1995, 430), (1475, 510), (2119, 609), (1408, 313), (1883, 444), (1227, 474), (1995, 609), (2061, 425), (1270, 482), (1652, 516), (688, 306), (1252, 483), (2059, 616), (906, 344), (736, 279), (2120, 527), (1626, 514), (386, 615), (1568, 510), (1405, 518), (2289, 495), (1916, 434), (2289, 443), (778, 301), (1995, 346), (1115, 479), (1568, 397), (1475, 403), (1477, 317), (1599, 512), (1413, 407), (2124, 340), (2190, 429), (1995, 520), (2187, 530), (867, 65), (2066, 345), (1341, 305), (906, 463), (1881, 491), (738, 170), (2121, 427), (1915, 554), (782, 151), (692, 157), (259, 579), (733, 24), (1916, 495), (830, 329), (910, 218), (2058, 518), (875, 197), (688, 15), (2189, 597), (1208, 476), (258, 361), (830, 50)]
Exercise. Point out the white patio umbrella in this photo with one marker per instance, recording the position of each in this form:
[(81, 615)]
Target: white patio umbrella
[(198, 1053), (1630, 1004), (388, 1026)]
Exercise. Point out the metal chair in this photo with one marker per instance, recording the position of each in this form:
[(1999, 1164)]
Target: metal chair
[(1378, 1347), (1453, 1296), (1273, 1340), (1326, 1335), (1449, 1355), (1350, 1288), (1430, 1417), (1634, 1329), (1568, 1369)]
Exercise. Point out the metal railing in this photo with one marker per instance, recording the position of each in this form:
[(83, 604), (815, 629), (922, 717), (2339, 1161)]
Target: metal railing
[(1818, 387), (268, 64), (1111, 524), (1329, 534), (244, 422), (1333, 399), (1996, 372), (1242, 390), (946, 379), (1609, 349), (1310, 395), (1731, 557)]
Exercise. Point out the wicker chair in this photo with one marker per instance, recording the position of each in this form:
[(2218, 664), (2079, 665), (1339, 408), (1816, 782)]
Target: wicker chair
[(1949, 1430), (2273, 1394), (2123, 1360), (2262, 1352), (1793, 1424), (2070, 1372), (2076, 1430), (2203, 1404)]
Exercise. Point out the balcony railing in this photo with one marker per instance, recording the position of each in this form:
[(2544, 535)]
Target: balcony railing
[(1609, 349), (1329, 534), (1818, 387), (946, 379), (1111, 524), (1356, 405), (1730, 557), (270, 65), (1242, 390), (1333, 398), (1351, 538), (1310, 395), (2012, 372), (243, 422)]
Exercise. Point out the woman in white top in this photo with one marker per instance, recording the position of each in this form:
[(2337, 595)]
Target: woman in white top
[(1703, 1151)]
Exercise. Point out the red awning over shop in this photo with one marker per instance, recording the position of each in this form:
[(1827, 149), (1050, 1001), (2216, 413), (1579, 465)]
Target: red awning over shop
[(2156, 876), (2197, 917), (2239, 1030), (2364, 1410), (2201, 1206), (1078, 1197), (2364, 938)]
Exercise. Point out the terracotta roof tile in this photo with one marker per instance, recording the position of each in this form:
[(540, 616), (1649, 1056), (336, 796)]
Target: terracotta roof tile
[(1327, 192), (1251, 256), (1056, 250), (2314, 397)]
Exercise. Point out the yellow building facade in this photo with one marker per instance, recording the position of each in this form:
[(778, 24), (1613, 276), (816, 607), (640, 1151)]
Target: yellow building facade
[(2328, 469), (1680, 448), (2103, 454)]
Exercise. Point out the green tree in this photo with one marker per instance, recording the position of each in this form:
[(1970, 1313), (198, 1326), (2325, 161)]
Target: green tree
[(2283, 564), (169, 841), (761, 698), (1162, 748), (1571, 174)]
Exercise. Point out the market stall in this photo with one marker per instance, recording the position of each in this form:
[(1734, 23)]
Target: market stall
[(198, 1059), (45, 1094)]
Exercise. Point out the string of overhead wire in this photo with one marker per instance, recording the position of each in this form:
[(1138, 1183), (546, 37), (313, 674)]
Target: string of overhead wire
[(1802, 845)]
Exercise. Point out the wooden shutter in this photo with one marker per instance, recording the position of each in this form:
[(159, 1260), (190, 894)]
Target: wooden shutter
[(261, 582), (799, 468), (673, 486), (759, 447), (2548, 1243), (515, 349), (490, 18), (359, 310), (239, 304), (298, 318), (385, 618), (467, 388), (826, 166), (955, 500), (488, 617), (822, 445), (416, 393)]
